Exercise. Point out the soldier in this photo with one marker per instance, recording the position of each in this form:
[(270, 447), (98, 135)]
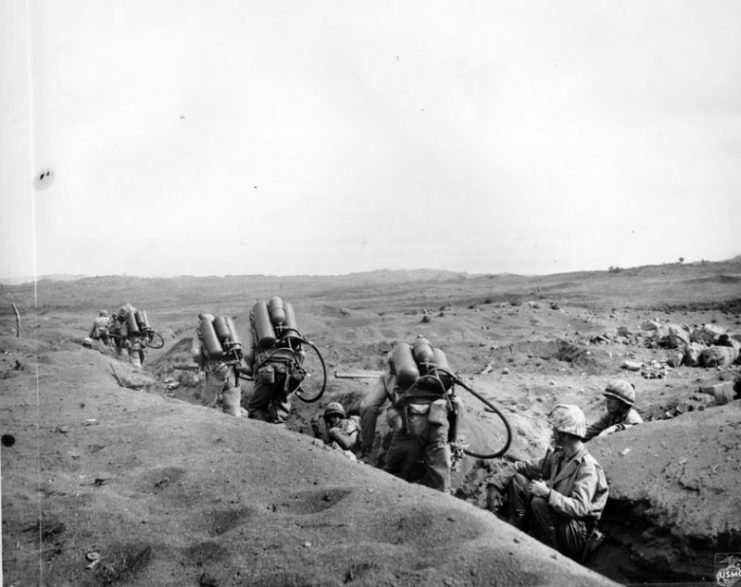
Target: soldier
[(127, 336), (277, 359), (424, 407), (620, 397), (340, 432), (370, 408), (99, 330), (221, 369), (561, 496)]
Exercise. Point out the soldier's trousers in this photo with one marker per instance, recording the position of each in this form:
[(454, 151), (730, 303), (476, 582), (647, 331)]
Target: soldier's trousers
[(421, 455), (567, 535), (370, 408), (219, 384), (136, 357), (269, 401)]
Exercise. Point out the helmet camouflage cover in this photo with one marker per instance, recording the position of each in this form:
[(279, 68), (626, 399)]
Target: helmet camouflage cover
[(621, 390), (568, 419), (334, 409)]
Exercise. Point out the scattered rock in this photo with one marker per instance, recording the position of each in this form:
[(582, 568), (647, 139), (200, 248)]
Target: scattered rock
[(722, 392), (631, 365), (718, 356)]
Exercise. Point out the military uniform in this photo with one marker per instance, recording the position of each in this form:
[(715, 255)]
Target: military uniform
[(616, 422), (578, 495), (221, 381), (621, 413), (419, 450), (99, 331), (132, 343), (341, 432), (277, 374), (370, 408)]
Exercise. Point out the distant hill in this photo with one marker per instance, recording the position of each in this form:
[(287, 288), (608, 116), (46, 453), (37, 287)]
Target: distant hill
[(30, 278), (648, 286)]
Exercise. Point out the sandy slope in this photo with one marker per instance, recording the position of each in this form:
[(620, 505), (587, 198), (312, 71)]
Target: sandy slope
[(174, 494)]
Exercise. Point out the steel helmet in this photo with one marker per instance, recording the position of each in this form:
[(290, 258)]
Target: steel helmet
[(104, 312), (334, 409), (87, 342), (568, 419), (621, 390)]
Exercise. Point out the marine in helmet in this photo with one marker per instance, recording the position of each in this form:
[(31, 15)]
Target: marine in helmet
[(277, 361), (127, 336), (99, 330), (221, 371), (340, 431), (620, 398), (560, 498), (423, 416)]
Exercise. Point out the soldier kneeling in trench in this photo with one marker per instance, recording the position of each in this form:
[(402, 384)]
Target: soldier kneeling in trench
[(620, 399), (340, 431), (561, 496)]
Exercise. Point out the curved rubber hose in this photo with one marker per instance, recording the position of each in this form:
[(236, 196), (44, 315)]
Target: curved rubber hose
[(302, 340), (494, 409), (324, 374), (155, 336)]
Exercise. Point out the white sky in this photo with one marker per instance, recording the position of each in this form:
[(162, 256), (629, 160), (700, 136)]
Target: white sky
[(212, 137)]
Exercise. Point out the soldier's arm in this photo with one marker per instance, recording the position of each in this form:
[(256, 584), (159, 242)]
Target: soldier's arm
[(579, 503), (632, 418), (345, 438), (532, 469), (595, 429)]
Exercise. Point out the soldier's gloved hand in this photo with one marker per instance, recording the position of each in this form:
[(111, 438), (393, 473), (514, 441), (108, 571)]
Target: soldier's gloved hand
[(538, 489)]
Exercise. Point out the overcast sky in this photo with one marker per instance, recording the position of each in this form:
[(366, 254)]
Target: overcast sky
[(236, 137)]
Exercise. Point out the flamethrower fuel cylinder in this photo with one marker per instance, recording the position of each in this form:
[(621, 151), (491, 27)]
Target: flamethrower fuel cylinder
[(277, 311), (131, 322), (423, 351), (210, 338), (233, 331), (291, 323), (142, 319), (404, 365), (441, 361), (222, 329), (264, 331)]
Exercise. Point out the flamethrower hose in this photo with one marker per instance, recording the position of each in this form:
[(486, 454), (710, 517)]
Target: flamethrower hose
[(156, 336), (324, 374), (494, 409), (308, 343)]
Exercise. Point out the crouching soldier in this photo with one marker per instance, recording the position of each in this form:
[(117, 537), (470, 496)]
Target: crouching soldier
[(426, 409), (340, 432), (560, 498), (276, 360), (620, 399), (217, 350), (99, 330)]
